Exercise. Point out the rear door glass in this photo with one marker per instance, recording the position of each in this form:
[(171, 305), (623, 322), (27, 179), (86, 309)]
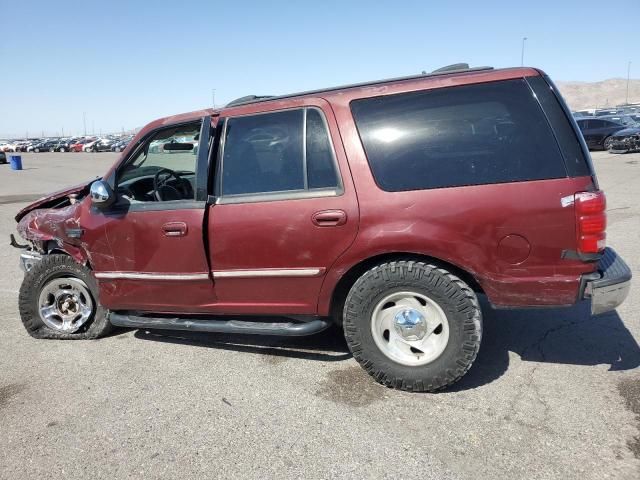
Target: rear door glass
[(469, 135)]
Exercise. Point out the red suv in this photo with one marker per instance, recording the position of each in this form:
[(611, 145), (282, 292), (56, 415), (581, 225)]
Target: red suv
[(383, 207)]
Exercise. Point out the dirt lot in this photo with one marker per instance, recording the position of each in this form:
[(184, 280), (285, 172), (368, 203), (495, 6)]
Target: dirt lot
[(553, 394)]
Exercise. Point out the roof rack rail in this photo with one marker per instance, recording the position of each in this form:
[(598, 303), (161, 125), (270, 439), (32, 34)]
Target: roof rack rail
[(455, 68), (247, 99)]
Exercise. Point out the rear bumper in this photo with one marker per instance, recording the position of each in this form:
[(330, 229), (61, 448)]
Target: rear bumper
[(609, 286)]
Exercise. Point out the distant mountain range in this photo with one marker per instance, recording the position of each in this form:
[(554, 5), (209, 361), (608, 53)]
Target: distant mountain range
[(607, 93)]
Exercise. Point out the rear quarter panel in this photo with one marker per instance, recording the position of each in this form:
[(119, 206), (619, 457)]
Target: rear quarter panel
[(464, 225)]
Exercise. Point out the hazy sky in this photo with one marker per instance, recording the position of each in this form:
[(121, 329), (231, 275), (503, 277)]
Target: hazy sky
[(125, 63)]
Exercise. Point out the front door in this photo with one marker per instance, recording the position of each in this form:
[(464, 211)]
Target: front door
[(154, 231), (285, 209)]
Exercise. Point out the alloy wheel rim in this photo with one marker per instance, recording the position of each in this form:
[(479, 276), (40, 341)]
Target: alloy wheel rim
[(410, 328), (65, 304)]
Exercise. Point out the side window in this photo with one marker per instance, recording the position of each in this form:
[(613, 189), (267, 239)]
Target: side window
[(321, 170), (469, 135), (268, 153), (164, 169)]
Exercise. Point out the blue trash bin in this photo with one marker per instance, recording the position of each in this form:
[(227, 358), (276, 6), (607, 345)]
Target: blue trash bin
[(16, 162)]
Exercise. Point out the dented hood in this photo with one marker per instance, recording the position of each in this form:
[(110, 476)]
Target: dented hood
[(52, 199)]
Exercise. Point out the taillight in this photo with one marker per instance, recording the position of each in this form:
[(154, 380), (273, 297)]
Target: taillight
[(591, 221)]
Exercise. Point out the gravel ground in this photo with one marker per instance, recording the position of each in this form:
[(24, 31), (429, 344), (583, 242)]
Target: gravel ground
[(553, 394)]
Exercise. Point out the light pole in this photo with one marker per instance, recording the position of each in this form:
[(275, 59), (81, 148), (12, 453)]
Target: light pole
[(84, 121), (213, 97), (628, 72), (524, 39)]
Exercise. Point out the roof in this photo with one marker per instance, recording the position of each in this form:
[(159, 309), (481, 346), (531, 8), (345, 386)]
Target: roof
[(448, 70)]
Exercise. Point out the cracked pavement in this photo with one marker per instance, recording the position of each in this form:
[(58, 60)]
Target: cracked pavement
[(553, 394)]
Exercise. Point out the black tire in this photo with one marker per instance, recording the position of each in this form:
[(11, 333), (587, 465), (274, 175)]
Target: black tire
[(49, 268), (453, 296)]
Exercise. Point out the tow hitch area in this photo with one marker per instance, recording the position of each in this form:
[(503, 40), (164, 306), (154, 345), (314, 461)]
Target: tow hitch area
[(611, 289)]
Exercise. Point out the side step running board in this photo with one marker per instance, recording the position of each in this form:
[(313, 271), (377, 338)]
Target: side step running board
[(222, 326)]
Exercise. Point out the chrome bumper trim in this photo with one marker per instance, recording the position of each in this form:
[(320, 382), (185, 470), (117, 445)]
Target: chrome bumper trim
[(611, 289), (28, 260)]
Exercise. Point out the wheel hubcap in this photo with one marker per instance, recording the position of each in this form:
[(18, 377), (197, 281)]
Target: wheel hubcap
[(410, 328), (410, 324), (65, 304)]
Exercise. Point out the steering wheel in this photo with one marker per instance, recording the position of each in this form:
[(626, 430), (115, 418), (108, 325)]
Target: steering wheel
[(164, 192)]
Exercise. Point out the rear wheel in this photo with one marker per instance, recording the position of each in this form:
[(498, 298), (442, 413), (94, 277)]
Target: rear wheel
[(37, 150), (413, 326), (59, 300)]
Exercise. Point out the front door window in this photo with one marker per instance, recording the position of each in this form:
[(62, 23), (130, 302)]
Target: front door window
[(164, 169)]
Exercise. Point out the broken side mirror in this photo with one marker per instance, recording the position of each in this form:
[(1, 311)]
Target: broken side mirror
[(101, 194)]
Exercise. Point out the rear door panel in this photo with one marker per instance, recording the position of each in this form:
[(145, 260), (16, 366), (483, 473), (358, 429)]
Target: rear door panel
[(270, 256)]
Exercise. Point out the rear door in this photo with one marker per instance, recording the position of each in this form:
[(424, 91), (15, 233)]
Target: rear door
[(285, 208)]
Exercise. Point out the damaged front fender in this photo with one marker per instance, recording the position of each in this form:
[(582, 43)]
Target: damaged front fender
[(54, 229)]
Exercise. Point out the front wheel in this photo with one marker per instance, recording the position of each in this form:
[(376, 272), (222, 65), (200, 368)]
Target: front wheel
[(413, 326), (608, 143), (59, 300)]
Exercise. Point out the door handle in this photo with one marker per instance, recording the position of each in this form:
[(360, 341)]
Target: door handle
[(175, 229), (329, 218)]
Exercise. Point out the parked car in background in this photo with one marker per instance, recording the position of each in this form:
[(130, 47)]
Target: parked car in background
[(22, 146), (339, 206), (625, 141), (12, 146), (120, 145), (626, 120), (3, 157), (102, 145), (45, 146), (79, 144), (88, 146), (63, 145), (31, 145), (597, 132)]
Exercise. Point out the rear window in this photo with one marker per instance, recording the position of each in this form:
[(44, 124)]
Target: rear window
[(468, 135)]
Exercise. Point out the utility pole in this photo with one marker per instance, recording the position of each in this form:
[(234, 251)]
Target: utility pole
[(63, 131), (524, 39), (93, 127), (628, 72), (213, 97), (84, 120)]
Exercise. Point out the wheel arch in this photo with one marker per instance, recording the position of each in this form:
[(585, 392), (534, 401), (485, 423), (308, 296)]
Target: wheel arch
[(342, 287), (78, 254)]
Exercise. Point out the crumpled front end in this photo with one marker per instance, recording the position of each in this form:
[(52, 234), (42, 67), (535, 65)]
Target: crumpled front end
[(51, 229)]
